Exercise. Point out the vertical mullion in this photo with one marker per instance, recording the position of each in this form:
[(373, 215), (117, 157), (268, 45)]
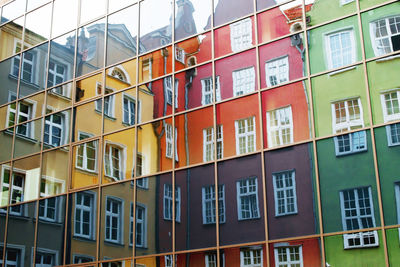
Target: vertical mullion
[(174, 133)]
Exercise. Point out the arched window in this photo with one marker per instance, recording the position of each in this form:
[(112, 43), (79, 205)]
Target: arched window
[(118, 74)]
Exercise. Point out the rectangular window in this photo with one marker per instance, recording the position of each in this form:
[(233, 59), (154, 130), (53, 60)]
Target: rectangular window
[(84, 215), (129, 110), (280, 126), (114, 161), (289, 256), (113, 217), (251, 258), (169, 142), (243, 81), (82, 259), (358, 213), (180, 55), (27, 73), (207, 90), (285, 193), (208, 203), (168, 202), (56, 75), (245, 135), (48, 207), (168, 91), (25, 113), (139, 168), (131, 219), (108, 101), (54, 130), (347, 115), (393, 134), (142, 183), (277, 71), (168, 261), (390, 106), (141, 216), (17, 190), (208, 143), (385, 35), (247, 195), (341, 49), (241, 35), (12, 257), (211, 259), (44, 259), (350, 143), (86, 155)]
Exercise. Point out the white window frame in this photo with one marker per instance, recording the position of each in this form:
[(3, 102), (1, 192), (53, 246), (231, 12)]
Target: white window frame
[(282, 193), (348, 124), (143, 223), (63, 126), (241, 33), (42, 251), (168, 91), (85, 156), (109, 163), (208, 143), (30, 126), (207, 93), (180, 55), (209, 204), (281, 126), (109, 215), (168, 261), (20, 255), (361, 236), (92, 212), (8, 197), (243, 81), (211, 259), (395, 116), (121, 75), (77, 258), (169, 144), (144, 183), (246, 136), (287, 251), (345, 2), (243, 198), (168, 204), (129, 111), (354, 147), (277, 68), (59, 185), (252, 258), (328, 49), (376, 40), (389, 134), (56, 75), (140, 167), (32, 63), (109, 97)]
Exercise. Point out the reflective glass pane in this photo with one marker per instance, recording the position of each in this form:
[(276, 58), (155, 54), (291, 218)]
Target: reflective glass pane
[(13, 9), (54, 172), (25, 181), (10, 37), (86, 126), (64, 14), (59, 97), (155, 64), (302, 252), (28, 137), (121, 76), (6, 139), (225, 10), (91, 9), (9, 81), (85, 164), (37, 25), (323, 11), (90, 87), (32, 4), (56, 129), (115, 5)]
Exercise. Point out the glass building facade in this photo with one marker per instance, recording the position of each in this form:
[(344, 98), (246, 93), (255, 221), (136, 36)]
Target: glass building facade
[(208, 133)]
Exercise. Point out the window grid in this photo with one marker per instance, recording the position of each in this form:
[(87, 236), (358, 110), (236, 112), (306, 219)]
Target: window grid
[(350, 143), (140, 226), (385, 35), (277, 71), (285, 193), (241, 35), (86, 155), (113, 220), (390, 106), (247, 199), (251, 258), (113, 161), (243, 81), (280, 126), (209, 206), (289, 256), (245, 135), (207, 90), (53, 130), (208, 143), (168, 202), (84, 221), (347, 115), (341, 49), (393, 134), (129, 110)]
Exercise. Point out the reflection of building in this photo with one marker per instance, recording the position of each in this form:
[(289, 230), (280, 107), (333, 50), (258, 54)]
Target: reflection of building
[(261, 136)]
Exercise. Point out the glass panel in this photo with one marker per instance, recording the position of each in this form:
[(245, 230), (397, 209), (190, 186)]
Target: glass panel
[(121, 76), (197, 208), (291, 194), (155, 64), (10, 36), (5, 193), (286, 115), (116, 5), (32, 70), (50, 231), (90, 87), (340, 96), (225, 10), (115, 222), (119, 156), (155, 33), (6, 119), (372, 251), (332, 49), (25, 180), (90, 47), (240, 35), (91, 9), (37, 26), (9, 79), (191, 17), (125, 110), (242, 181), (59, 97), (29, 108), (261, 4), (61, 61), (13, 9), (86, 126), (56, 129), (193, 51), (155, 146), (82, 227), (347, 204), (237, 74), (195, 137), (323, 11), (86, 164), (240, 122), (122, 31), (28, 137), (6, 139), (156, 217), (156, 99), (32, 4), (54, 172), (303, 252), (64, 12)]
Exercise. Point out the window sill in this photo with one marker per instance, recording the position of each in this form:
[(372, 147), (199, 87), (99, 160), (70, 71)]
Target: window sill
[(285, 214), (115, 179), (127, 124), (342, 70), (26, 138), (86, 171), (113, 243), (82, 238), (50, 222), (249, 219), (387, 58), (350, 153)]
